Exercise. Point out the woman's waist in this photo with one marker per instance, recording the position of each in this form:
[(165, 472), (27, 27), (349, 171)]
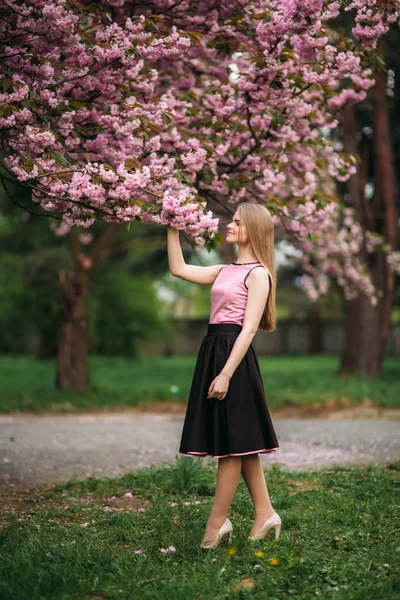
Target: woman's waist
[(215, 328)]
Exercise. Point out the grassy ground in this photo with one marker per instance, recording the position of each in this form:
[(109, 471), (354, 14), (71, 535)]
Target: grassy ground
[(28, 384), (85, 540)]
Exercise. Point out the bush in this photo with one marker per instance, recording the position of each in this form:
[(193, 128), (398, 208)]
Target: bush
[(124, 311)]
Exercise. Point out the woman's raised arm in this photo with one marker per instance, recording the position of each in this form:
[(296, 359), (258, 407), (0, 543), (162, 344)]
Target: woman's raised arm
[(178, 267)]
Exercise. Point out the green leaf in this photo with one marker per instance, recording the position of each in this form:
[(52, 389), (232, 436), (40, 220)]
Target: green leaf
[(76, 103), (6, 83), (278, 120), (153, 127), (195, 36), (185, 177), (7, 110), (135, 200), (354, 159), (59, 158), (131, 162), (209, 148)]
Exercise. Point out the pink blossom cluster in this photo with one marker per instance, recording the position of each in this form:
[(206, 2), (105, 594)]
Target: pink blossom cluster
[(373, 241), (169, 550), (145, 114), (371, 23), (330, 240), (179, 211), (393, 260), (72, 128)]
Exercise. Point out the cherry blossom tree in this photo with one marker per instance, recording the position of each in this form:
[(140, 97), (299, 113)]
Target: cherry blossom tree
[(370, 131), (170, 111)]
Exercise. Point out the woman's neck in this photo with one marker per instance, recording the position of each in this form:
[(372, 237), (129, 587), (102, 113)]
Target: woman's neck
[(245, 255)]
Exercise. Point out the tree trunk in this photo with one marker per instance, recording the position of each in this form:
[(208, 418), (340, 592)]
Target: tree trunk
[(72, 359), (375, 321), (315, 329), (348, 361), (371, 343), (354, 199), (386, 216), (367, 327)]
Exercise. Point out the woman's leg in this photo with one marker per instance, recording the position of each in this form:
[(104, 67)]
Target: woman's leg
[(253, 475), (228, 477)]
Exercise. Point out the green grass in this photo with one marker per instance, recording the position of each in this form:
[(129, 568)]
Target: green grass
[(338, 537), (28, 384)]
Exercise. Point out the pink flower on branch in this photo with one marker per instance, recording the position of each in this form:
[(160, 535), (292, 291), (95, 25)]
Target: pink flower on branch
[(135, 118)]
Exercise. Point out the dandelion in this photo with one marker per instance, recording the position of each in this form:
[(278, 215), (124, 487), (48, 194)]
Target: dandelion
[(273, 561), (232, 551), (260, 554)]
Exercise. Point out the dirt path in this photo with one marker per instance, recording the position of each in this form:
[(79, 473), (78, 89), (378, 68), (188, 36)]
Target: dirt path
[(46, 448), (336, 408)]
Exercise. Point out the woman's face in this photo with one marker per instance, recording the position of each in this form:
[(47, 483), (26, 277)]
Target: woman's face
[(236, 230)]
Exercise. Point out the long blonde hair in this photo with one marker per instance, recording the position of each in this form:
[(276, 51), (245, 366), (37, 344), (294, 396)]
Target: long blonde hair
[(260, 231)]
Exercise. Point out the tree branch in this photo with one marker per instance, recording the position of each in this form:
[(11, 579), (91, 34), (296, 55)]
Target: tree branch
[(26, 207), (102, 242)]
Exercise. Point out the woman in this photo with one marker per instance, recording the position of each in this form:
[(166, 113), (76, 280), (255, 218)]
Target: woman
[(227, 415)]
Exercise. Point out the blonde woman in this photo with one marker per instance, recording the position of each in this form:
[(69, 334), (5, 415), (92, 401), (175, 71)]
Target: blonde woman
[(227, 415)]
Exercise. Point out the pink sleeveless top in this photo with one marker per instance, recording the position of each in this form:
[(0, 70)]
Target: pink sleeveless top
[(229, 293)]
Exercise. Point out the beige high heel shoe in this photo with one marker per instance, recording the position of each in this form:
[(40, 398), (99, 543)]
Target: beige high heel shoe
[(273, 521), (226, 528)]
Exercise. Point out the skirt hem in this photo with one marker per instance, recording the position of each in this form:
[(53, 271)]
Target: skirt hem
[(262, 451)]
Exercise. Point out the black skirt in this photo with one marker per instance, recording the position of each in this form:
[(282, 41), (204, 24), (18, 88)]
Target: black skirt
[(240, 423)]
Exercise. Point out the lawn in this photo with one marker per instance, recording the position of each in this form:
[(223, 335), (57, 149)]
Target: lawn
[(28, 384), (87, 540)]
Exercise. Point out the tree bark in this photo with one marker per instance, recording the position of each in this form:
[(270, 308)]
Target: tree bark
[(315, 330), (376, 320), (72, 358), (367, 327), (351, 345)]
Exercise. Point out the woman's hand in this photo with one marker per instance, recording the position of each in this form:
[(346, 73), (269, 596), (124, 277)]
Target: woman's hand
[(219, 387)]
